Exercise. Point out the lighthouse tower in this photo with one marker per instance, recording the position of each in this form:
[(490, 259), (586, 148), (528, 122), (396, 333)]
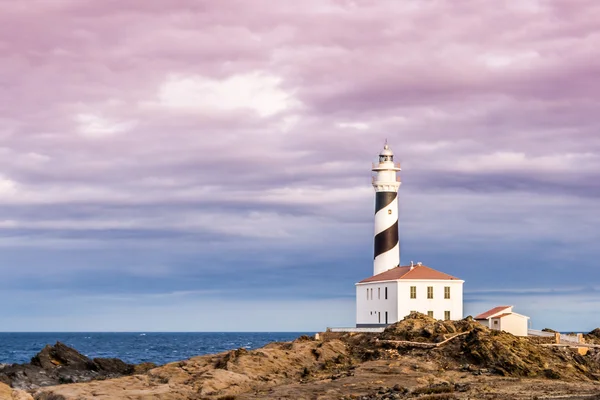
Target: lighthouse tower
[(386, 184), (395, 291)]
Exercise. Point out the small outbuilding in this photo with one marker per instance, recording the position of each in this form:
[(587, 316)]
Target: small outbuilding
[(502, 318)]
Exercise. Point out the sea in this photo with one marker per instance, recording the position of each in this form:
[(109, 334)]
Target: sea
[(135, 348)]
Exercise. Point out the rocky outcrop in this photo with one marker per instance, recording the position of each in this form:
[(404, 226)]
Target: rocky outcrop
[(60, 364), (504, 353), (455, 344), (418, 327), (225, 374), (7, 393), (593, 336), (458, 356)]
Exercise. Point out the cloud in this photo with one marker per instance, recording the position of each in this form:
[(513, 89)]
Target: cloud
[(7, 187), (211, 140), (93, 126), (254, 91), (353, 125)]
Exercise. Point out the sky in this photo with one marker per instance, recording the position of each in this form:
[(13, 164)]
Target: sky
[(196, 165)]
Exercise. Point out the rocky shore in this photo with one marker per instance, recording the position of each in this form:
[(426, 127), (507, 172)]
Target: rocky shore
[(60, 364), (416, 358)]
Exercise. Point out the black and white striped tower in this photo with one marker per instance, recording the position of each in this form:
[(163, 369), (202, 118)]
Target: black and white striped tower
[(386, 184)]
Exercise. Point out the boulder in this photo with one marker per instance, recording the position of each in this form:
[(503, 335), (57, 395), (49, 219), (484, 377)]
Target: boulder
[(113, 366), (61, 355), (62, 364)]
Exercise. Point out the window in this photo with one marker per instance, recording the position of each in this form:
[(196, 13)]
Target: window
[(447, 292), (379, 317), (413, 292), (430, 292), (390, 212), (367, 293), (386, 292), (371, 293), (378, 293), (446, 315), (430, 314)]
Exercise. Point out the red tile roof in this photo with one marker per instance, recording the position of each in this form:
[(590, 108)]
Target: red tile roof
[(405, 272), (502, 315), (510, 313), (491, 312)]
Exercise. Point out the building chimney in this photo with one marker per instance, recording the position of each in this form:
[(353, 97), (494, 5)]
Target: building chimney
[(412, 265)]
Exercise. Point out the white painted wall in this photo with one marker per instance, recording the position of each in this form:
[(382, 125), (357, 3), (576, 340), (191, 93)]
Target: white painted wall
[(484, 322), (513, 323), (399, 304), (438, 304), (369, 309)]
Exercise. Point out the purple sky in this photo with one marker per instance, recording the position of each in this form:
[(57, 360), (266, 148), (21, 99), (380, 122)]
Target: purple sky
[(205, 165)]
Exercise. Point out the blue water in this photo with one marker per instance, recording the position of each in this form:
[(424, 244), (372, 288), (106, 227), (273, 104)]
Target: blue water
[(135, 348)]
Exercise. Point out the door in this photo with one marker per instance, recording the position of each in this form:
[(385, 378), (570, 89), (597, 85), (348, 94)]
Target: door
[(386, 319), (379, 316)]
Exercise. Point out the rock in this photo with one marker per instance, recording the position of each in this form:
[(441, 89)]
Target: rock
[(113, 366), (595, 333), (551, 374), (224, 375), (61, 355), (593, 337), (21, 395), (60, 364), (279, 368), (5, 392), (462, 387), (418, 327), (399, 388), (143, 367)]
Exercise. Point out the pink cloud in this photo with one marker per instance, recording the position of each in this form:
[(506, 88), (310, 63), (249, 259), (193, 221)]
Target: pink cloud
[(84, 85)]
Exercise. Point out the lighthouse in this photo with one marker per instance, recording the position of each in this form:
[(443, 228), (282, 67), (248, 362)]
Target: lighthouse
[(386, 184), (395, 291)]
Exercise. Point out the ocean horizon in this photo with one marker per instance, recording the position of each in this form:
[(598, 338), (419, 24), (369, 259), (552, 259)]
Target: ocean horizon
[(136, 347)]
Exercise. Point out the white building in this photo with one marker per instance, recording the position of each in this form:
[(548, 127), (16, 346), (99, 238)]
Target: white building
[(390, 296), (395, 291), (502, 318)]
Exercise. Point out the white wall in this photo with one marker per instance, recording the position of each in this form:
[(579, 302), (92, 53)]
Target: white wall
[(513, 323), (369, 309), (484, 322), (438, 304), (399, 304)]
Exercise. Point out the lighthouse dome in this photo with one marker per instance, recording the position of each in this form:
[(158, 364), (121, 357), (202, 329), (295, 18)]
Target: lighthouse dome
[(386, 151)]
